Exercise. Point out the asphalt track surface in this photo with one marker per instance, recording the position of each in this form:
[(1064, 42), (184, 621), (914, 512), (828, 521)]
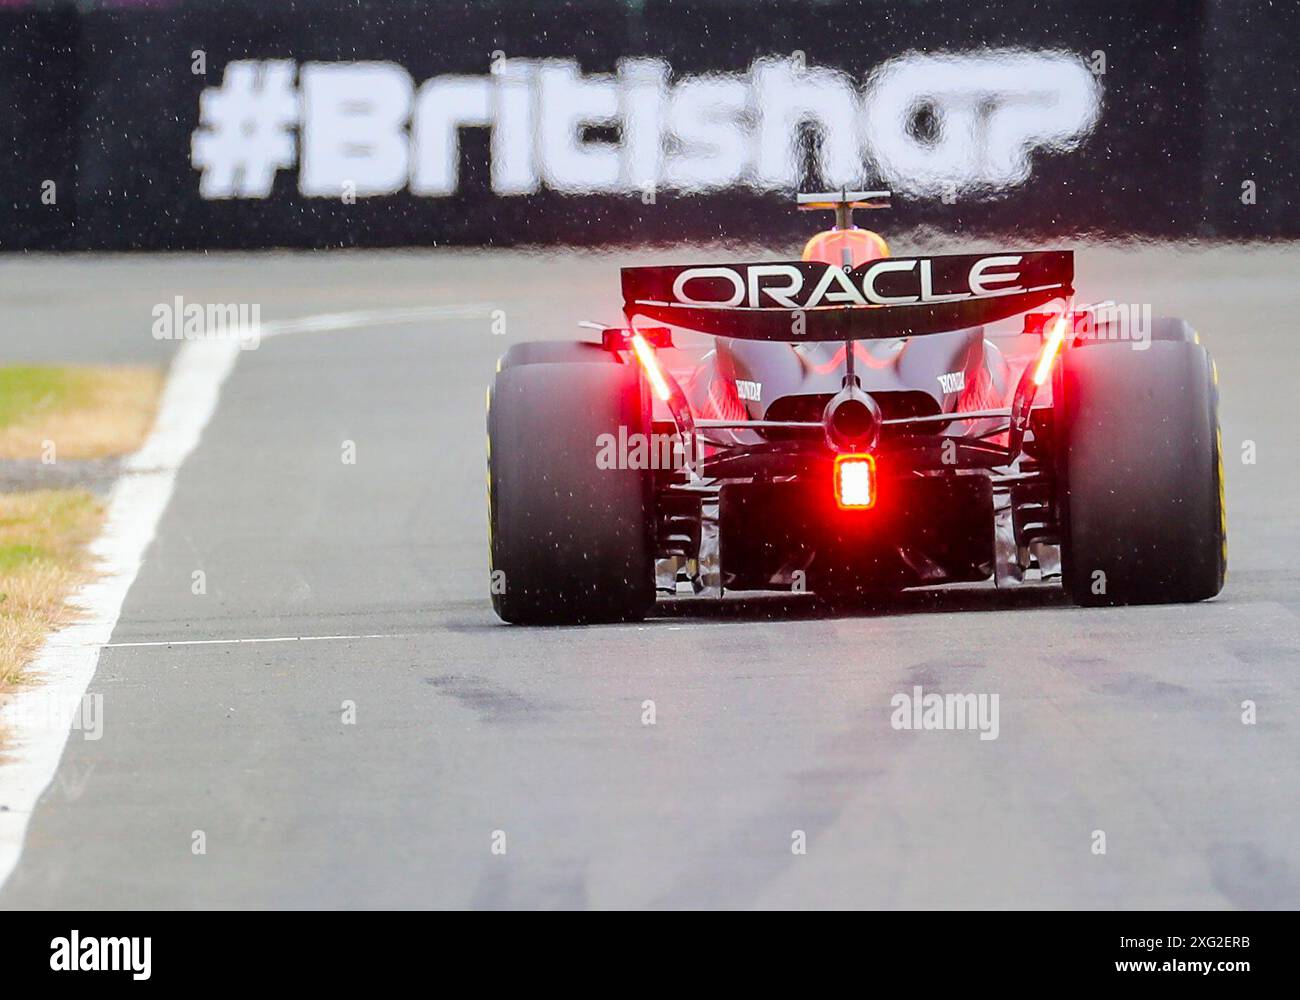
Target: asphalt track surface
[(771, 717)]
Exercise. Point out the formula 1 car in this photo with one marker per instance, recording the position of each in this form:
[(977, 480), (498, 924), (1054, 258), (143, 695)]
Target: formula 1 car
[(850, 424)]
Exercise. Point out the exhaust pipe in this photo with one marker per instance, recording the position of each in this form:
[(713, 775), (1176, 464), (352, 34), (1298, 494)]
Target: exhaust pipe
[(852, 421)]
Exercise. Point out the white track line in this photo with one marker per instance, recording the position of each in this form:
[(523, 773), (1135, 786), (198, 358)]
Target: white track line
[(323, 322), (38, 719), (235, 642)]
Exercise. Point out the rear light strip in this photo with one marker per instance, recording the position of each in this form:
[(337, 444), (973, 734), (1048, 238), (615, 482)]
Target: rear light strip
[(855, 481)]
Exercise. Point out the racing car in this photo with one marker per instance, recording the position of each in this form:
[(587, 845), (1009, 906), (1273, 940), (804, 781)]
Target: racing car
[(852, 424)]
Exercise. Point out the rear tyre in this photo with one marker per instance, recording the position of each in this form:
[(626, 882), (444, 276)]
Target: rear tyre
[(549, 352), (570, 541), (1140, 474), (1173, 329)]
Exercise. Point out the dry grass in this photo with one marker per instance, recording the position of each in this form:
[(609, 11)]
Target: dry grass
[(83, 412), (43, 558), (86, 412)]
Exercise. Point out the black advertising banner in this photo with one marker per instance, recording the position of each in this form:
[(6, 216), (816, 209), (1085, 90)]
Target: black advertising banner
[(39, 129), (334, 123)]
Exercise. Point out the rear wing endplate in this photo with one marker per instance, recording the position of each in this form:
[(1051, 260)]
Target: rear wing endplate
[(810, 300)]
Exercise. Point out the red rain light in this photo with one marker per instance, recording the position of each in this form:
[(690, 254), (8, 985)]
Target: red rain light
[(855, 482), (1051, 348), (650, 365)]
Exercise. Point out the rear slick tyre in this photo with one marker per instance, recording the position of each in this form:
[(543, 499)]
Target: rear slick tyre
[(1141, 474), (570, 541)]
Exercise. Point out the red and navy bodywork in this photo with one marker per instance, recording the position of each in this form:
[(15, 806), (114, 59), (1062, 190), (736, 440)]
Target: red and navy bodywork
[(887, 361), (850, 423)]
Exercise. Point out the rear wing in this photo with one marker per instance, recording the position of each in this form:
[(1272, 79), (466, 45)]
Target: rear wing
[(809, 300)]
